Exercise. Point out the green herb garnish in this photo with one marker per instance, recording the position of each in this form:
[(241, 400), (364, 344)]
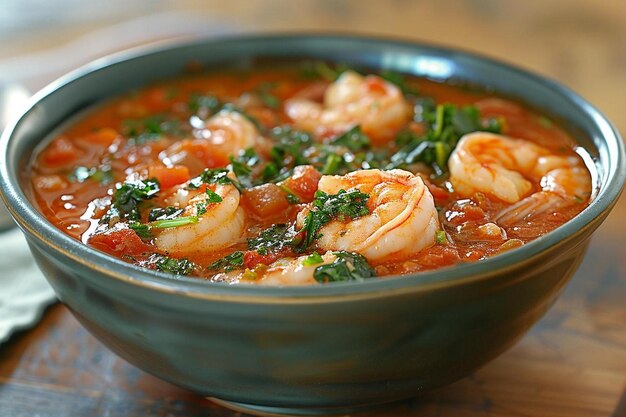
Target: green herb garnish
[(172, 265), (326, 207), (228, 262), (348, 266), (127, 198), (166, 213), (273, 239), (313, 259), (446, 124), (354, 139)]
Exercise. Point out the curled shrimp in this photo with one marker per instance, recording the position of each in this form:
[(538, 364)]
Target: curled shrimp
[(293, 271), (225, 134), (402, 220), (219, 225), (230, 131), (378, 106), (512, 170)]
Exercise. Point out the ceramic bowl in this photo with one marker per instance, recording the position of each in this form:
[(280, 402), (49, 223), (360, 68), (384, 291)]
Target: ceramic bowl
[(319, 349)]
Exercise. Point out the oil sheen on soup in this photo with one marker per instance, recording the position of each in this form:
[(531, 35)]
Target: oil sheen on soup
[(307, 174)]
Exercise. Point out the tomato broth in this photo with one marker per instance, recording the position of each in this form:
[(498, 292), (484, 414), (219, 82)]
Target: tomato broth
[(304, 174)]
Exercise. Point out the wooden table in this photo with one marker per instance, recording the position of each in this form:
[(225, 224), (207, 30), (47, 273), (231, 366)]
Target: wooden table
[(573, 363)]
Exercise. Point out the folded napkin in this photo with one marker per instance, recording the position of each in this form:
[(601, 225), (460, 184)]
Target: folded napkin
[(24, 292)]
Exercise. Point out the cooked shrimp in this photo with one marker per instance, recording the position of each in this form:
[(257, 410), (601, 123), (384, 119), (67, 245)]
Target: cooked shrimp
[(376, 105), (292, 271), (220, 226), (402, 220), (225, 134), (512, 170), (229, 131)]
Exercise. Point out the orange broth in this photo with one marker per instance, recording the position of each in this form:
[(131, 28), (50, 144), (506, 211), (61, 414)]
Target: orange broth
[(75, 176)]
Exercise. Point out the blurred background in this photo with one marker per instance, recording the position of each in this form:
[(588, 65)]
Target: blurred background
[(579, 42)]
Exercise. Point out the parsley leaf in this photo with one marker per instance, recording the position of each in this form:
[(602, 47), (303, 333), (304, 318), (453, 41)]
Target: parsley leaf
[(212, 176), (159, 213), (326, 207), (313, 259), (446, 124), (273, 239), (127, 197), (172, 265), (354, 139), (228, 262), (348, 266)]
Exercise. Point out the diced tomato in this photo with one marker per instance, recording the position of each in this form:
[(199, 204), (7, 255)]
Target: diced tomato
[(304, 182), (169, 176), (438, 193), (104, 137), (120, 242), (266, 200), (60, 152), (253, 258)]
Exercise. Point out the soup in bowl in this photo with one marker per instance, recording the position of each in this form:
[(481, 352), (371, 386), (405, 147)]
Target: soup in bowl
[(309, 223)]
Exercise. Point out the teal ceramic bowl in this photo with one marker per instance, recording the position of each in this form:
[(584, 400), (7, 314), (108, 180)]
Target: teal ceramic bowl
[(309, 350)]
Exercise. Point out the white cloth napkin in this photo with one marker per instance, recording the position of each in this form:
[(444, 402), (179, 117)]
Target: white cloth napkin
[(24, 292)]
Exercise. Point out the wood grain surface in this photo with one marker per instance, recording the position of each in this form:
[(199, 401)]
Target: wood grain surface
[(573, 363)]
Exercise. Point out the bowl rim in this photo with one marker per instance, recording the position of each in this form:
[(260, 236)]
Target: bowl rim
[(35, 224)]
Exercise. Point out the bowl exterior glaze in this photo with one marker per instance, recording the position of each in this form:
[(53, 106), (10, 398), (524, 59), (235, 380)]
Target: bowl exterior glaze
[(352, 344)]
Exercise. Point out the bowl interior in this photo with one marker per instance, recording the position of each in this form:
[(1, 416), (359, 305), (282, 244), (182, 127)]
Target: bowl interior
[(129, 70)]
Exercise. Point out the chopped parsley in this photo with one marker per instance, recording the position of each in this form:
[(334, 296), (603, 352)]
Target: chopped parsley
[(144, 230), (266, 97), (440, 237), (177, 222), (127, 198), (399, 80), (166, 213), (348, 266), (313, 259), (446, 123), (149, 129), (212, 196), (229, 262), (354, 139), (212, 176), (172, 265), (272, 240), (320, 69), (326, 207)]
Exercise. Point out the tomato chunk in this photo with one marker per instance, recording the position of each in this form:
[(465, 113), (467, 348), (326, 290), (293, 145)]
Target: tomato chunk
[(169, 176), (253, 258), (303, 182), (120, 242), (60, 152), (266, 200), (104, 137)]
